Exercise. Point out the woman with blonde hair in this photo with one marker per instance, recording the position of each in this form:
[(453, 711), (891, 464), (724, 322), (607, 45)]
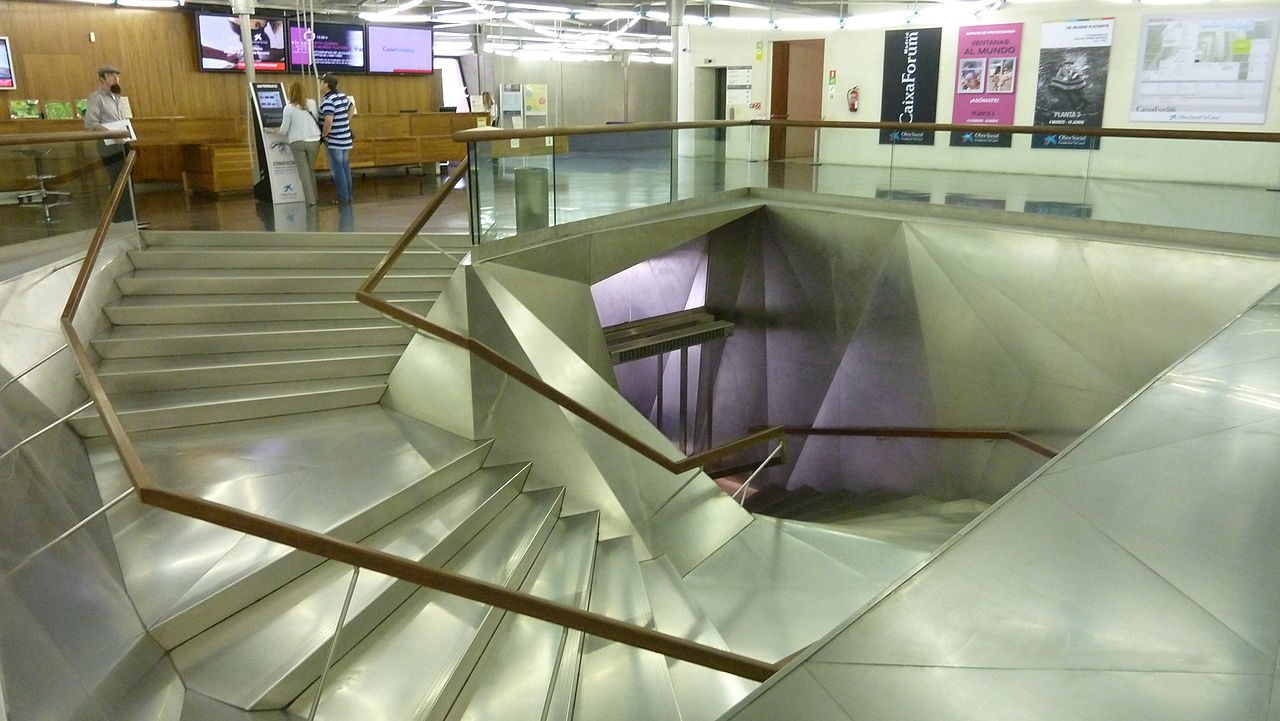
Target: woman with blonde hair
[(302, 131)]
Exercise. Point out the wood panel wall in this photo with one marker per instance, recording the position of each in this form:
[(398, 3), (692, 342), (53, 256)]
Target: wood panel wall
[(156, 53)]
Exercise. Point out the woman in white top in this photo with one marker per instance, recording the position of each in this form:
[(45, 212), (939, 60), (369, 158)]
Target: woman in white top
[(302, 132)]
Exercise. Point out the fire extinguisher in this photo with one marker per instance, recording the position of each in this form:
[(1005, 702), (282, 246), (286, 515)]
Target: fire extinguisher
[(853, 99)]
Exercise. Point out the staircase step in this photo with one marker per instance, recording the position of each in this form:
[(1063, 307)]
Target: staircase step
[(261, 239), (255, 280), (618, 682), (414, 663), (197, 338), (268, 653), (185, 575), (522, 666), (163, 373), (199, 406), (229, 308), (701, 693), (362, 259)]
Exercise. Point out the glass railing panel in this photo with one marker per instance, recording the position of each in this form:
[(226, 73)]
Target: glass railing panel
[(514, 185), (703, 165), (605, 173), (485, 178), (869, 163), (50, 189), (1214, 185)]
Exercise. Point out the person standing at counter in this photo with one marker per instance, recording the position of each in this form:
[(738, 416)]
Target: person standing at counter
[(301, 131), (104, 105), (335, 110)]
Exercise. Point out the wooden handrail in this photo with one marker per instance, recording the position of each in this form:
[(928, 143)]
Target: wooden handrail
[(388, 261), (541, 387), (99, 236), (68, 137), (475, 135), (903, 432), (342, 551)]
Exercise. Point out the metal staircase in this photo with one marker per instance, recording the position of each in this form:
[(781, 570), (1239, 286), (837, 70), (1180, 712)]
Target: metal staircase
[(215, 327), (246, 379)]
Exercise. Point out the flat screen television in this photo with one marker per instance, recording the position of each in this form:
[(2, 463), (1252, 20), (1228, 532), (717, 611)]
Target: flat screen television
[(336, 47), (6, 65), (221, 49), (400, 49)]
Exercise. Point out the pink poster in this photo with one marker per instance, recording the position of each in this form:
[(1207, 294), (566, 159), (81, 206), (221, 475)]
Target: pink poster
[(986, 81)]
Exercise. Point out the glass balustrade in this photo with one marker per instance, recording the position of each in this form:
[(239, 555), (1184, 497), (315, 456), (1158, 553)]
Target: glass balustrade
[(1197, 184), (50, 188)]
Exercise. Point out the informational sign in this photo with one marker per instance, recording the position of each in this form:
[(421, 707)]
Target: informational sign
[(1205, 68), (535, 99), (511, 98), (910, 83), (1072, 82), (986, 82), (277, 159), (737, 86)]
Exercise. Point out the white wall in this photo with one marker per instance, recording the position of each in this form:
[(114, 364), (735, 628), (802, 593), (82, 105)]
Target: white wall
[(592, 93), (857, 58)]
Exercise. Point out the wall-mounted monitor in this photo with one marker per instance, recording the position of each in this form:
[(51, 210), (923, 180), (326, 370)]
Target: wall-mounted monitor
[(336, 47), (400, 49), (221, 48), (6, 65)]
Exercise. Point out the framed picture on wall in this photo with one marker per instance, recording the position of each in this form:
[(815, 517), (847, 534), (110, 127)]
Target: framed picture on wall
[(6, 65)]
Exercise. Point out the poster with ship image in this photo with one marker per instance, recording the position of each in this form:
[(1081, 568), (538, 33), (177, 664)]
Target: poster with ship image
[(1072, 82), (910, 82)]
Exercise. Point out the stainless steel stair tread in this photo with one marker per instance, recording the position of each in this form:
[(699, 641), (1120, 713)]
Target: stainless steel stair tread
[(428, 646), (200, 406), (297, 469), (258, 239), (265, 655), (524, 659), (295, 258), (270, 327), (157, 373), (195, 338), (299, 274), (701, 693), (255, 299), (236, 282), (618, 682), (183, 398)]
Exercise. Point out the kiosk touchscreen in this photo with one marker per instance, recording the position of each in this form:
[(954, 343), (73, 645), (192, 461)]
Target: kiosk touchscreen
[(280, 183)]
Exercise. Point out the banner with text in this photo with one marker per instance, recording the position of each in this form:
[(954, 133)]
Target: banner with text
[(986, 82), (1072, 84), (911, 59)]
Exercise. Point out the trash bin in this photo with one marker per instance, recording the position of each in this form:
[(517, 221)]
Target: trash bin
[(533, 199)]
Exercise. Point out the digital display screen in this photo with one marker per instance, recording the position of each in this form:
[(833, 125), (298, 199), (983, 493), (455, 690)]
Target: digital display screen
[(335, 47), (401, 50), (221, 47), (6, 65), (271, 104)]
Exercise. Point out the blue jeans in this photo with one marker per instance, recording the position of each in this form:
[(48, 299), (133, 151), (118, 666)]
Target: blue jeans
[(340, 166)]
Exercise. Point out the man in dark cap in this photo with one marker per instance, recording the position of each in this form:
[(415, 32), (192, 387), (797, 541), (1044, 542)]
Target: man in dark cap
[(106, 106)]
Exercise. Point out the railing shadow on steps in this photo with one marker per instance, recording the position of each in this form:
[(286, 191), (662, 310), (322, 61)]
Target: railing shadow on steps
[(330, 547)]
